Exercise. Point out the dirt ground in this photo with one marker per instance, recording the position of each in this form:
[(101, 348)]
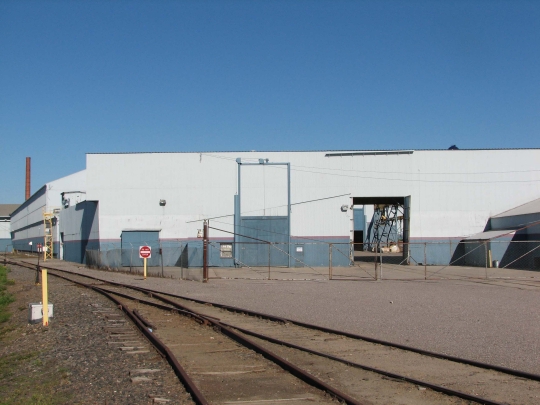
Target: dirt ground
[(72, 361)]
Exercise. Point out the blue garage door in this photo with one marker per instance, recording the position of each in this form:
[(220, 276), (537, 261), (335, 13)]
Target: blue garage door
[(272, 229), (132, 240)]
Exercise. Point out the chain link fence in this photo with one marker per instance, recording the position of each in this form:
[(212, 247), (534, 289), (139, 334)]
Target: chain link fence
[(449, 259), (335, 261), (126, 257)]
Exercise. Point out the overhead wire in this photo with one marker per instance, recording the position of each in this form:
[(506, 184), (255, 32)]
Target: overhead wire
[(269, 208), (321, 170)]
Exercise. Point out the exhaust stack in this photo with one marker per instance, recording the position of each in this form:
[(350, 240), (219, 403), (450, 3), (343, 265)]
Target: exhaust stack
[(27, 193)]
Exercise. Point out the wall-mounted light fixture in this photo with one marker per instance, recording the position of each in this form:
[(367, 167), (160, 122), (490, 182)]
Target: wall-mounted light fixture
[(162, 202), (344, 208)]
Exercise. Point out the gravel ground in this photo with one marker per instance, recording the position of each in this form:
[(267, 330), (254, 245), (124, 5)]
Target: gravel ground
[(72, 361), (495, 322)]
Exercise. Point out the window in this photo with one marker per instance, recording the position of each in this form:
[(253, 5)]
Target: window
[(225, 250)]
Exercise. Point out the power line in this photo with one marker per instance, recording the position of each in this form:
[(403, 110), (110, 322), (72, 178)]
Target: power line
[(320, 170), (269, 208), (417, 180)]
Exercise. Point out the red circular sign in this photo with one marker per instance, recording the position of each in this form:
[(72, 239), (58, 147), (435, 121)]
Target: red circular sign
[(145, 252)]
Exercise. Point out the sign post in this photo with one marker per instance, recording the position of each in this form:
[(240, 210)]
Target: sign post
[(40, 249), (145, 252), (45, 297)]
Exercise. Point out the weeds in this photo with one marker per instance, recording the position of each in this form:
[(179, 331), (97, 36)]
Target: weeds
[(5, 297), (26, 378)]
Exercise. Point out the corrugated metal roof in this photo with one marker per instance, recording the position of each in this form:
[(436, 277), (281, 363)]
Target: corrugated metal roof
[(319, 150), (491, 234), (32, 198), (532, 207), (7, 209)]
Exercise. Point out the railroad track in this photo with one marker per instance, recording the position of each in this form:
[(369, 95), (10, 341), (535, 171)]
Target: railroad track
[(233, 356)]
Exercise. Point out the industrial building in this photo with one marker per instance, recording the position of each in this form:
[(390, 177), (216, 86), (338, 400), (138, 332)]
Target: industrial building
[(285, 208), (5, 226), (27, 222)]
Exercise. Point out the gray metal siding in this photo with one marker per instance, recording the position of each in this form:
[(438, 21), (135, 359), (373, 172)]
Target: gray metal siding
[(258, 230), (132, 240), (79, 225), (5, 245)]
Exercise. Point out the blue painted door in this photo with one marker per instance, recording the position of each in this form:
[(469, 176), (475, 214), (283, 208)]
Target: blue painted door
[(132, 240), (255, 252)]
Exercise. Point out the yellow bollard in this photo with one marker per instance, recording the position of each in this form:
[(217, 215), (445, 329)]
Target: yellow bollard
[(144, 268), (45, 298)]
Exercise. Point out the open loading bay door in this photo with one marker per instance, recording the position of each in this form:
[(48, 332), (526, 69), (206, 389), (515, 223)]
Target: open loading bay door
[(387, 231)]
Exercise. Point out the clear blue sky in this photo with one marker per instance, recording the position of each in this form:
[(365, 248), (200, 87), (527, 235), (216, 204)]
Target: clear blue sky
[(123, 76)]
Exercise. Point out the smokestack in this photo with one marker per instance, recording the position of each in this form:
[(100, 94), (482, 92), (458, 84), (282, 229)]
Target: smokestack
[(27, 194)]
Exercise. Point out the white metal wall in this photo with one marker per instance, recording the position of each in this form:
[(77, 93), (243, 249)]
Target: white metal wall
[(30, 213), (5, 229), (73, 182), (27, 222), (453, 193)]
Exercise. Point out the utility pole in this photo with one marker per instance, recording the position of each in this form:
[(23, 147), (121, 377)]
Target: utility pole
[(205, 251)]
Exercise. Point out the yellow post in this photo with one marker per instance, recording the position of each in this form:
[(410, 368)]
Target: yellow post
[(144, 268), (45, 299)]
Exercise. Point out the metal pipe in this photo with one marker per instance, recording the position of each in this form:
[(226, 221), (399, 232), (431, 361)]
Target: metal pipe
[(5, 255), (330, 261), (380, 268), (269, 253), (406, 227), (45, 297), (486, 261), (377, 247), (205, 252), (144, 268), (161, 256), (425, 259), (237, 214), (289, 210)]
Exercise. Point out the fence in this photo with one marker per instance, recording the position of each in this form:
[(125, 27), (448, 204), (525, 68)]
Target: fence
[(301, 260), (448, 259), (117, 256)]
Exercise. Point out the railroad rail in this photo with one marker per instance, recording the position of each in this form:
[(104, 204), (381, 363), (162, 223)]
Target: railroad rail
[(265, 334)]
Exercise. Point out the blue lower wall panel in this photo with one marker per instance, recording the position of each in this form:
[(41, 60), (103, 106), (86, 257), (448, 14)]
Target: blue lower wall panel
[(193, 254), (317, 253), (190, 253), (5, 245), (433, 253), (75, 251), (23, 245), (313, 254)]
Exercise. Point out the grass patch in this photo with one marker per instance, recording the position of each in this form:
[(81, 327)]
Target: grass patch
[(26, 378), (10, 363), (5, 297)]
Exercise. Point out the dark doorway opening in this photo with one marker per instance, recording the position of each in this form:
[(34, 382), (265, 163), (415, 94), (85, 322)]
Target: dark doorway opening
[(358, 240)]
